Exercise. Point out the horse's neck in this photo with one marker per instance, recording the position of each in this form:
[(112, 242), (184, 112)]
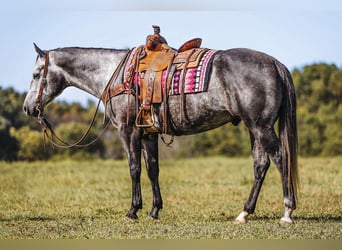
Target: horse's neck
[(89, 69)]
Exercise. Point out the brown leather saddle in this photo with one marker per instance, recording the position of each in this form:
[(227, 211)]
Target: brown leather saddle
[(146, 69), (151, 68)]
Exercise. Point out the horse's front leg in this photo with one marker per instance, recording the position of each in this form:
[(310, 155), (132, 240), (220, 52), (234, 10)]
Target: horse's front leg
[(150, 153), (131, 139)]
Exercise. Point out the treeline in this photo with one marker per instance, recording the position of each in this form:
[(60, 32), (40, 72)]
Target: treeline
[(319, 113), (319, 98), (22, 139)]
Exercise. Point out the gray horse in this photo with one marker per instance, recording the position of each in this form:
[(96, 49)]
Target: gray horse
[(244, 85)]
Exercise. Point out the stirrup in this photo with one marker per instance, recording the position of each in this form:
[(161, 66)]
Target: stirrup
[(142, 123), (147, 124)]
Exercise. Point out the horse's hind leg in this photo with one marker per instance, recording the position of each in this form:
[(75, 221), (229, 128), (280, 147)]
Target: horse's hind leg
[(261, 165), (266, 144), (271, 144), (150, 153), (288, 190)]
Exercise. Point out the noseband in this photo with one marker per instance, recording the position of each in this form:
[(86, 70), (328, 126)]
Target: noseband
[(43, 83)]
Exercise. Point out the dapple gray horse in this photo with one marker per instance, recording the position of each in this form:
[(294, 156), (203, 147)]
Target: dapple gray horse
[(244, 85)]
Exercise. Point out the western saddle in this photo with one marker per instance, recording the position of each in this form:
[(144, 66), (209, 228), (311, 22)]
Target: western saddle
[(145, 73)]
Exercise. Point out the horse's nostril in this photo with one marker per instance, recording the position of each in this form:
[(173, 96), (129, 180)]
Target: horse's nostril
[(26, 110)]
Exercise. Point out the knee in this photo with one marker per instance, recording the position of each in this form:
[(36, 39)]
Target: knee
[(135, 170)]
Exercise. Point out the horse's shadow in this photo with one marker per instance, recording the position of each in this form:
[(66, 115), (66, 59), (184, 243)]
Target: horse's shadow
[(297, 219), (213, 218), (28, 218)]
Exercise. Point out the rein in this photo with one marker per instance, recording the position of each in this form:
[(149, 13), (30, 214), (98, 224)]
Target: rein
[(46, 126)]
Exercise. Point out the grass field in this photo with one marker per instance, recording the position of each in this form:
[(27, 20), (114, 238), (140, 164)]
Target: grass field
[(202, 197)]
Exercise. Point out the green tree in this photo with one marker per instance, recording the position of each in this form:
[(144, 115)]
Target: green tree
[(319, 96), (71, 132), (9, 144), (227, 140), (11, 108), (31, 144), (332, 119)]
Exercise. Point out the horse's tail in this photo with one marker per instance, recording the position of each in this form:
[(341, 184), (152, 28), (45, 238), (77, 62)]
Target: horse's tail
[(288, 128)]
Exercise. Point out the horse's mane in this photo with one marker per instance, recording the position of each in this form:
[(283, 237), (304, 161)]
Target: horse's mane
[(86, 48)]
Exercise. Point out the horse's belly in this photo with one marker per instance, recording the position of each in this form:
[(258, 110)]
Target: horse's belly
[(199, 113)]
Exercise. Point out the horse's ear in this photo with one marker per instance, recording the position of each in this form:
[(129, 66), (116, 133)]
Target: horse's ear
[(40, 52)]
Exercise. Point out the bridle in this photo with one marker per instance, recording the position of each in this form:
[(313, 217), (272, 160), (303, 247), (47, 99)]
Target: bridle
[(43, 83), (46, 126)]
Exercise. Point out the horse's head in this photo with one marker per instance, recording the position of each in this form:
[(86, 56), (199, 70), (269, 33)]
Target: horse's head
[(47, 83)]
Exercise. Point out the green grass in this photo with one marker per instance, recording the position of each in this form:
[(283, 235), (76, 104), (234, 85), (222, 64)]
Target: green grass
[(202, 197)]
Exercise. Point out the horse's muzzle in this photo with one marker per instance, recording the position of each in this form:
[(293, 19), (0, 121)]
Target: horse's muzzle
[(30, 111)]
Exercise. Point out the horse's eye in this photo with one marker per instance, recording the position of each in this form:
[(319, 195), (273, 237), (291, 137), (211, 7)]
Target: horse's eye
[(36, 76)]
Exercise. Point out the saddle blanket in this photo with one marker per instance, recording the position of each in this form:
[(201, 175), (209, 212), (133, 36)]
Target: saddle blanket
[(195, 80)]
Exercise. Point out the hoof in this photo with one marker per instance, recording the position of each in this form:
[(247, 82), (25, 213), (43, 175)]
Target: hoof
[(132, 216), (240, 222), (286, 221), (241, 219), (154, 217), (155, 213)]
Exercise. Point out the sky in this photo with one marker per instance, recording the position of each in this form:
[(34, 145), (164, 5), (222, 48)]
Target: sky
[(296, 32)]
